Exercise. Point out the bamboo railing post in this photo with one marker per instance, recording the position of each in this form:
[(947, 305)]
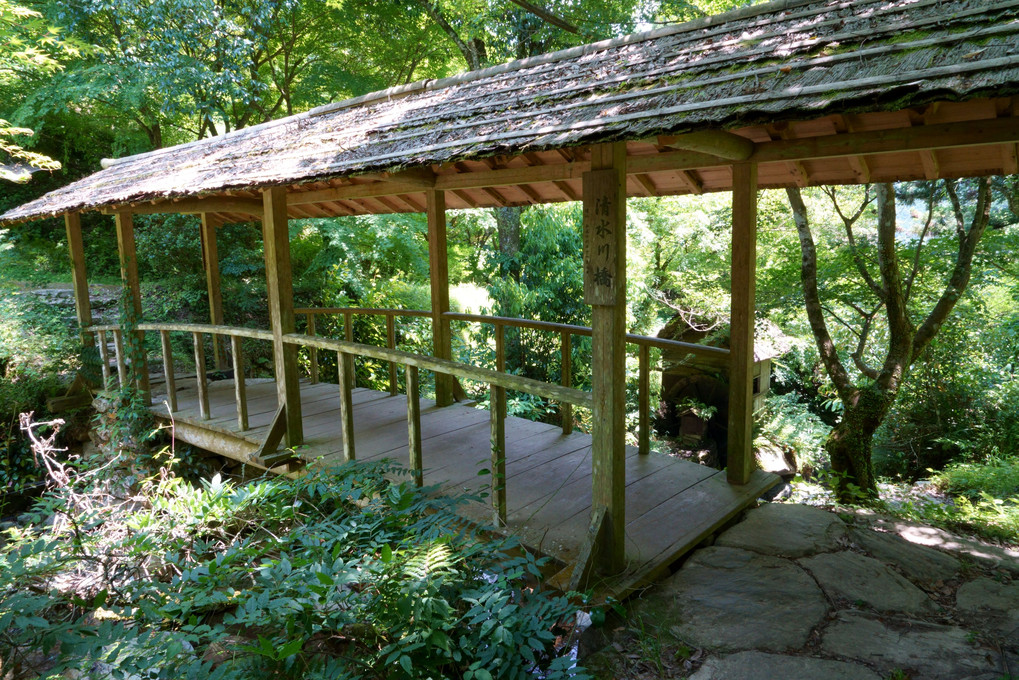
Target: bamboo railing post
[(741, 462), (345, 376), (566, 375), (79, 279), (498, 419), (104, 356), (129, 275), (168, 375), (203, 387), (391, 344), (414, 424), (210, 258), (279, 285), (118, 347), (312, 351), (644, 398), (240, 389)]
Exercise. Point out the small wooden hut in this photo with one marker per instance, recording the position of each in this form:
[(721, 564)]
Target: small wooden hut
[(794, 92)]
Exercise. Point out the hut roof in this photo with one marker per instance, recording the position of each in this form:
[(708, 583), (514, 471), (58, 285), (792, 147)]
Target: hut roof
[(746, 71)]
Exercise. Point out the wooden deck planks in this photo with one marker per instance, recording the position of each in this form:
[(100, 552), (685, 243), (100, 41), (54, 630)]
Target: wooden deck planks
[(671, 505)]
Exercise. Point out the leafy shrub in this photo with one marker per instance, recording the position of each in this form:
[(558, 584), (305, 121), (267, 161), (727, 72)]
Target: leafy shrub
[(786, 421), (340, 574)]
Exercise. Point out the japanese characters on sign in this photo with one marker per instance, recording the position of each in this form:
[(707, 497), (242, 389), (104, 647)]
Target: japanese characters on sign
[(601, 236)]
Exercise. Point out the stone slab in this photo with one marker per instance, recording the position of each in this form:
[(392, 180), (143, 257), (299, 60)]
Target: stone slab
[(758, 665), (921, 564), (727, 599), (924, 650), (991, 606), (786, 530), (864, 580)]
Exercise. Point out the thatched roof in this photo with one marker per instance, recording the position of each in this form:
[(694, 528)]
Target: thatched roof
[(747, 71)]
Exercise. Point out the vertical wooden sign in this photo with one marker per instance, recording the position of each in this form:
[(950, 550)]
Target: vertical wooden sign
[(602, 229)]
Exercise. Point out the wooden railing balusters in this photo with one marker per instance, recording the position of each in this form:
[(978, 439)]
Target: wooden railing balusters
[(312, 351), (118, 346), (391, 344), (104, 356), (168, 374), (345, 375), (203, 387), (644, 399), (414, 424), (566, 378), (240, 389), (498, 422)]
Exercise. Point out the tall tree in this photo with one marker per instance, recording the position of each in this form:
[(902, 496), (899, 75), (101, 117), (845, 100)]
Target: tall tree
[(886, 315)]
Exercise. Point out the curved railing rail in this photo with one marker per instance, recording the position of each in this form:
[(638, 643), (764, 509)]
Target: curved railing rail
[(346, 351), (701, 355)]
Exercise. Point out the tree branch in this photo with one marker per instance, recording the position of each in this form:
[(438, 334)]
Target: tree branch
[(547, 16), (919, 246), (815, 314), (959, 279), (861, 266)]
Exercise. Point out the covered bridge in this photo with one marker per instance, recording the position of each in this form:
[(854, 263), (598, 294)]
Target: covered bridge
[(795, 92)]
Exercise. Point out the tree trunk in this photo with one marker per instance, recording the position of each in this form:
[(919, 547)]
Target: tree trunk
[(850, 445)]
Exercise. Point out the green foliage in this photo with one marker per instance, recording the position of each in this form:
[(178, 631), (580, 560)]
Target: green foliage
[(36, 349), (340, 574), (786, 422)]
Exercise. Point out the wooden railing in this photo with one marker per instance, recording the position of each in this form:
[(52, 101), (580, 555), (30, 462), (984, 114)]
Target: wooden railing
[(198, 332), (703, 354), (345, 350), (309, 313)]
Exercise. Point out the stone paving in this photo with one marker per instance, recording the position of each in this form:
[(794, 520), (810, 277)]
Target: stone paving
[(795, 592)]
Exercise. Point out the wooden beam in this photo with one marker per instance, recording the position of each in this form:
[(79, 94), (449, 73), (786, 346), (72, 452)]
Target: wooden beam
[(281, 309), (644, 181), (240, 389), (741, 462), (439, 279), (210, 260), (872, 142), (212, 204), (720, 143), (79, 277), (604, 226), (169, 376), (132, 285)]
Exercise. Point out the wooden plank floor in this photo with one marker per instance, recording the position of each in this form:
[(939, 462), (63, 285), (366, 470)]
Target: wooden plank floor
[(671, 504)]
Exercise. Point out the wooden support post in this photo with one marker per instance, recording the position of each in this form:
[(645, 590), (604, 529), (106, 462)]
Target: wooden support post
[(200, 379), (345, 369), (605, 290), (281, 309), (498, 419), (391, 344), (240, 388), (210, 259), (129, 275), (439, 278), (118, 347), (168, 375), (566, 378), (740, 463), (348, 326), (312, 351), (79, 277), (414, 424), (644, 400), (104, 356)]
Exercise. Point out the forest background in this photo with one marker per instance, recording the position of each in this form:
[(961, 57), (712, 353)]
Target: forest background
[(88, 79)]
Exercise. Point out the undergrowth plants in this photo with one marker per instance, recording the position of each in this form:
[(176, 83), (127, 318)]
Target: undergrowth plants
[(343, 573)]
